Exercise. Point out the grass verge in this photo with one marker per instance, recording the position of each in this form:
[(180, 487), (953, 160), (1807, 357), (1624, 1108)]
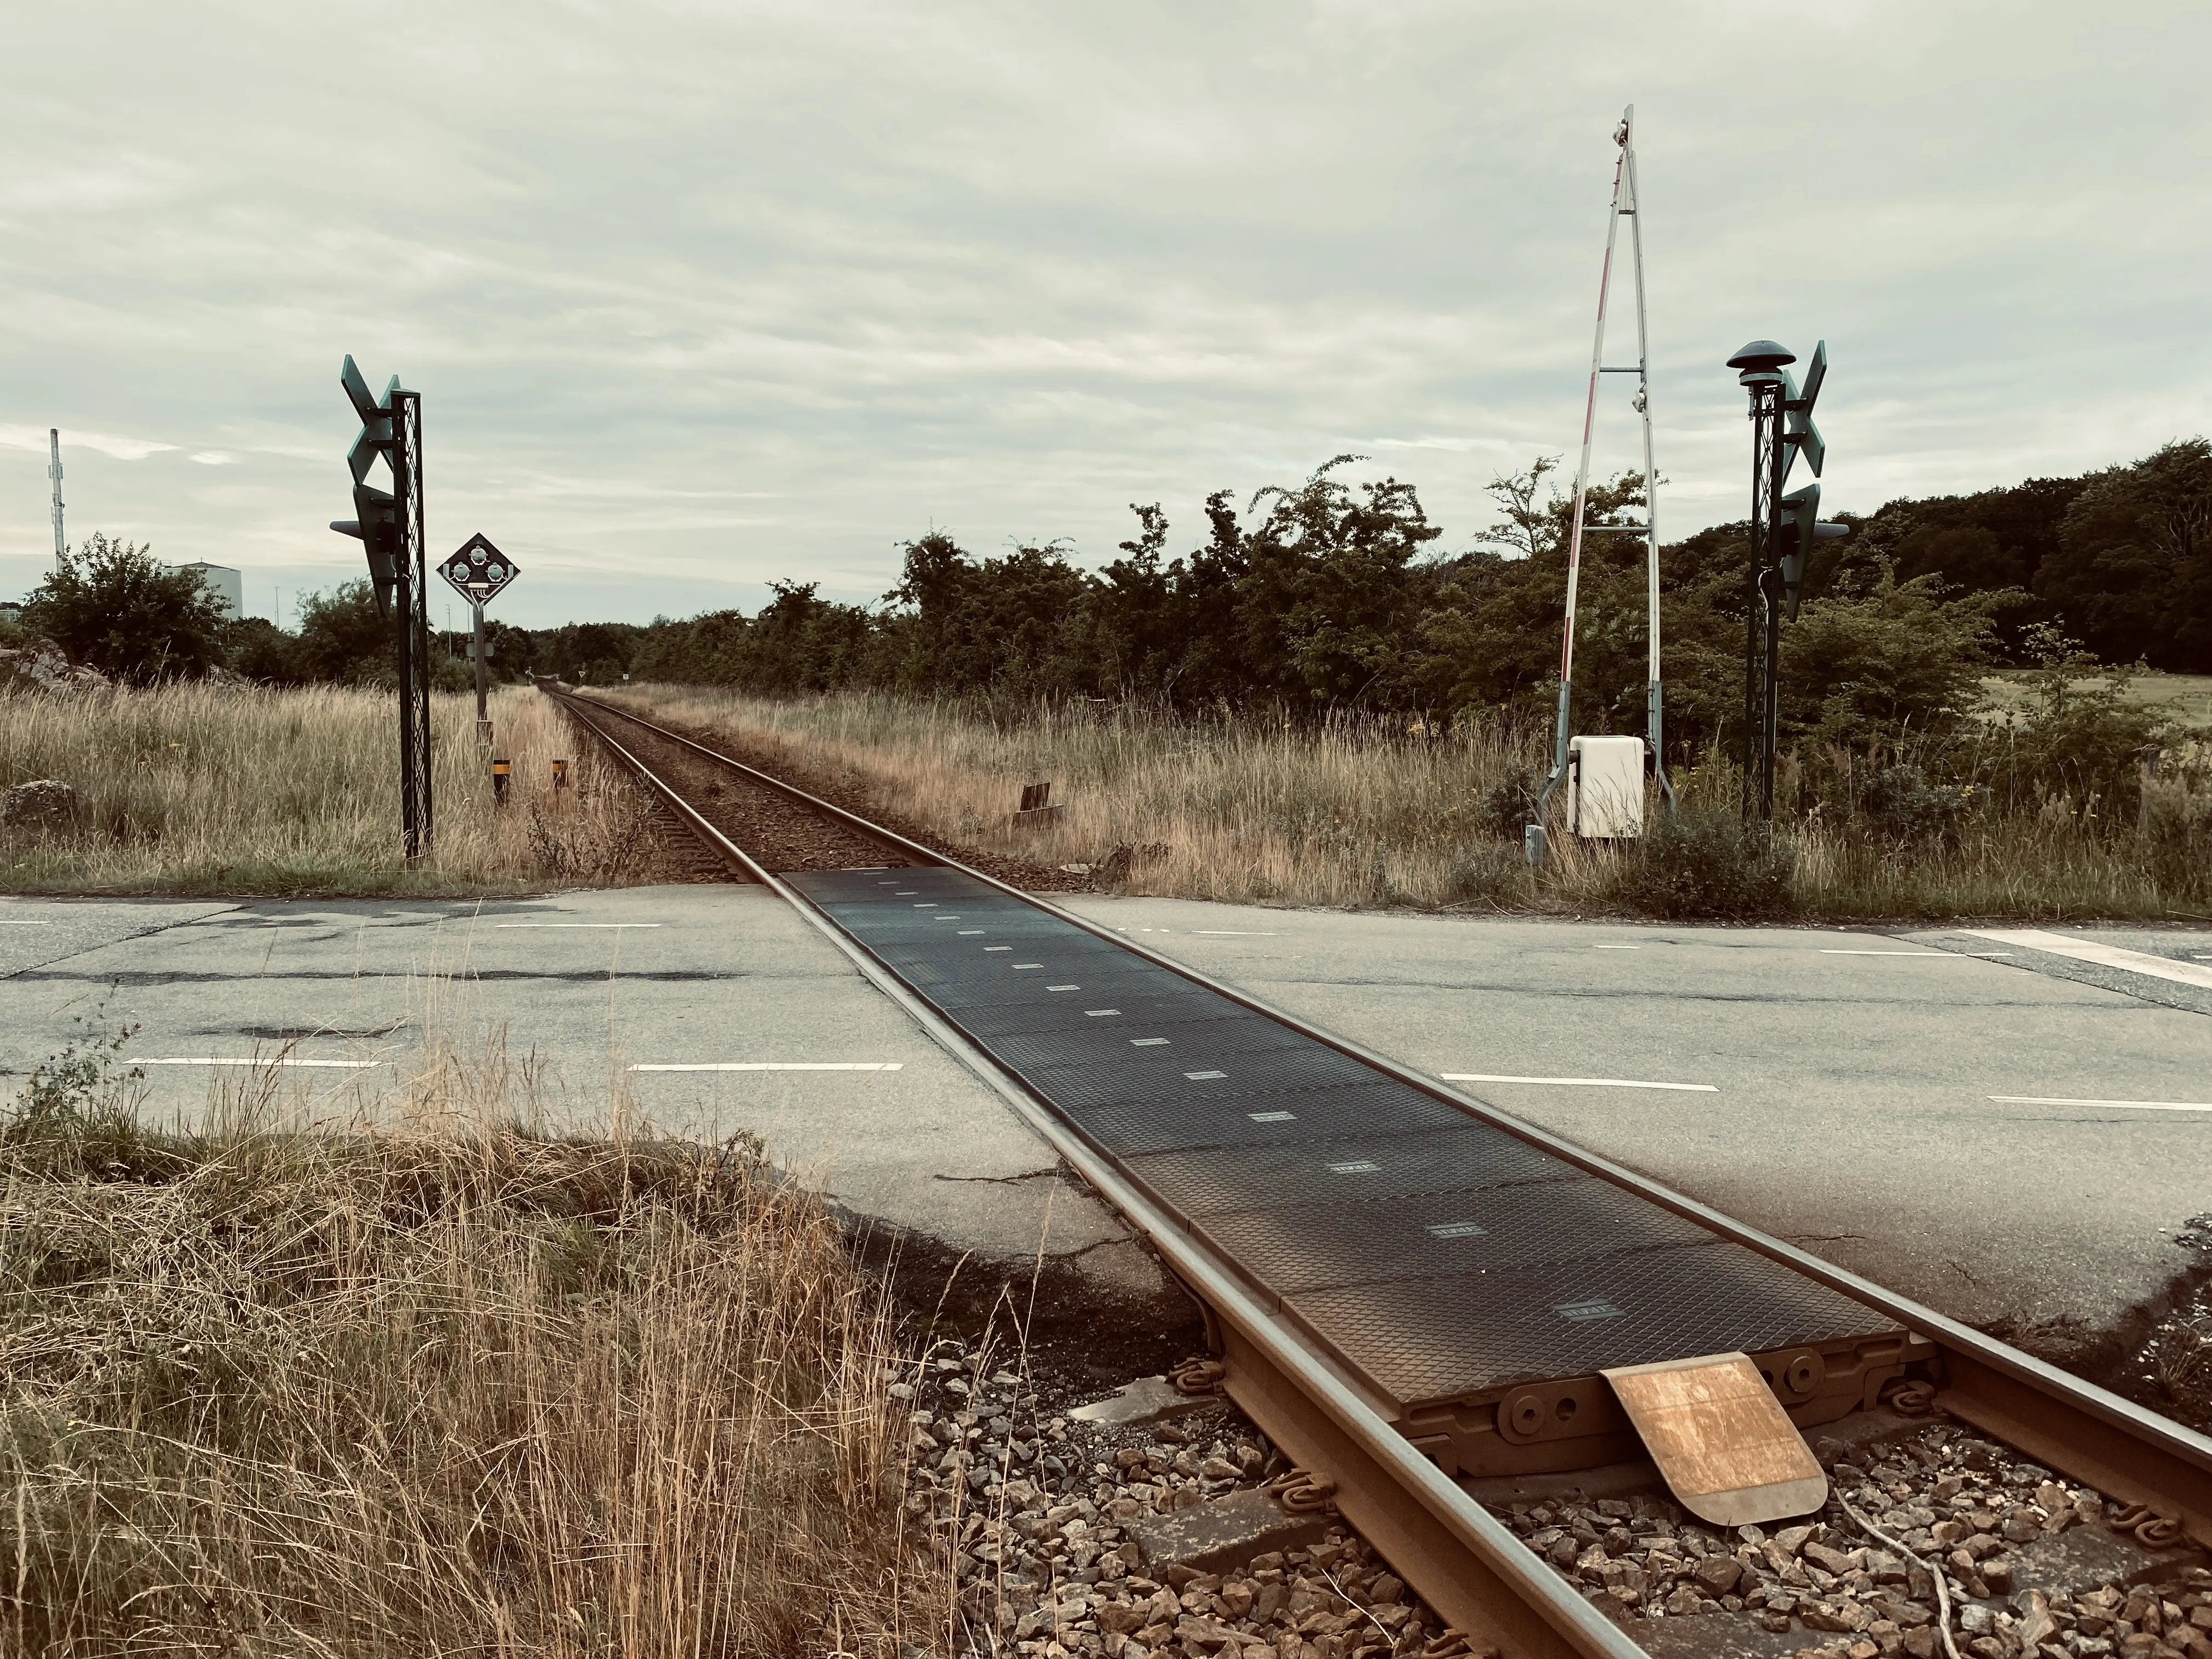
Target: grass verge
[(441, 1385), (200, 788), (1360, 811)]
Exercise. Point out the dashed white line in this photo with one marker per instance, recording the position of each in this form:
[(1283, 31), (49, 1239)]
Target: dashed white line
[(504, 925), (1230, 932), (782, 1066), (1579, 1082), (1616, 947), (1947, 955), (12, 923), (2123, 1105)]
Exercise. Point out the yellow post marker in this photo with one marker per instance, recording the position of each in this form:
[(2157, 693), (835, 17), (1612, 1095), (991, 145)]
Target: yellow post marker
[(560, 775), (498, 774)]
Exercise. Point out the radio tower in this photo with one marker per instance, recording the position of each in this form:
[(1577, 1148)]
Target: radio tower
[(54, 471)]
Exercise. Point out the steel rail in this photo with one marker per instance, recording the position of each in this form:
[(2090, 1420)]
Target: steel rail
[(2121, 1448), (1460, 1557)]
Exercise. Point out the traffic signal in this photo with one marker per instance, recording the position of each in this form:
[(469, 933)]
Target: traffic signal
[(1801, 528), (376, 513), (1799, 433)]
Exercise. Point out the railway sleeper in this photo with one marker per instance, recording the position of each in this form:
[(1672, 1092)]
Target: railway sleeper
[(1578, 1422)]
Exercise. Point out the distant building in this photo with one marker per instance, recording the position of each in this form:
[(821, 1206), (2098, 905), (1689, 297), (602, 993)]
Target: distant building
[(10, 612), (223, 582)]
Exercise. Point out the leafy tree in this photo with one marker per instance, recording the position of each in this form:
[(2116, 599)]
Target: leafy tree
[(2134, 569), (115, 606), (1859, 667), (341, 638)]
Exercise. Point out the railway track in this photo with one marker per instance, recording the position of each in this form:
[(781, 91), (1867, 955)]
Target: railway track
[(1352, 1321)]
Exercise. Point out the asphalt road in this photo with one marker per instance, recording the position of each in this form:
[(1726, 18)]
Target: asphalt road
[(1933, 1109), (1913, 1112), (580, 1003)]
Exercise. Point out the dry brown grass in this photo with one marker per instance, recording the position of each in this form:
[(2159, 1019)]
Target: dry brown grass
[(210, 788), (426, 1383), (1360, 811)]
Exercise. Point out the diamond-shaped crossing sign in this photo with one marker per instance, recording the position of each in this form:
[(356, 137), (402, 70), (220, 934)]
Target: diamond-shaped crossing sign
[(478, 569)]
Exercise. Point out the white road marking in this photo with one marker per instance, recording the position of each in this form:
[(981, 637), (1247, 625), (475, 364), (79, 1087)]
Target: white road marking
[(1230, 932), (575, 924), (1618, 947), (783, 1065), (1950, 955), (1100, 1014), (1063, 987), (1271, 1117), (331, 1065), (1461, 1229), (11, 923), (972, 933), (1199, 1076), (1019, 966), (1578, 1082), (1147, 1042), (2105, 956), (997, 947), (2128, 1105)]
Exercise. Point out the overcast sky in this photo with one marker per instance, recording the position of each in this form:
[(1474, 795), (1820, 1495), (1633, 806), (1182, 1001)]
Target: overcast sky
[(702, 295)]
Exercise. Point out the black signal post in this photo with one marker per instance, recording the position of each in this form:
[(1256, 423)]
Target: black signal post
[(389, 525), (478, 570), (1783, 530)]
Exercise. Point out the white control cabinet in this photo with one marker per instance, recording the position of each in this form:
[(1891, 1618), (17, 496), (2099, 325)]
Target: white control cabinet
[(1605, 787)]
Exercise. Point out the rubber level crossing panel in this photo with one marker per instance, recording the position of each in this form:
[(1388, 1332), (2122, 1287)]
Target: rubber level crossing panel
[(1475, 1283)]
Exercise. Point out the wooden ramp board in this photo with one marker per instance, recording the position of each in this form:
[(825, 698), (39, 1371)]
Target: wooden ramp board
[(1721, 1438)]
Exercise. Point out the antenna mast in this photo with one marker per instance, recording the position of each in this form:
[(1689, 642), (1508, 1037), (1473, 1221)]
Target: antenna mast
[(54, 471), (1626, 205)]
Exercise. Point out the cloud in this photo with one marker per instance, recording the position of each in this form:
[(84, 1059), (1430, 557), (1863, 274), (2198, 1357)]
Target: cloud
[(104, 443), (712, 291)]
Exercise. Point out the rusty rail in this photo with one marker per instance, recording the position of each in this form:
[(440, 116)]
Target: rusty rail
[(1470, 1568)]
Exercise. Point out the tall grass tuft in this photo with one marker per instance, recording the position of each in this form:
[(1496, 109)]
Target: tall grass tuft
[(214, 788), (439, 1386)]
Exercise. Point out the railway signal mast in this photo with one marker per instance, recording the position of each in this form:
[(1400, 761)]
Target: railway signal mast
[(1626, 205), (1783, 530), (478, 570), (389, 525)]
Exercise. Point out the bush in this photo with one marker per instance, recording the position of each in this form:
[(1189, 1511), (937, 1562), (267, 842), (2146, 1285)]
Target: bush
[(1706, 867), (118, 607), (1899, 802), (1495, 876)]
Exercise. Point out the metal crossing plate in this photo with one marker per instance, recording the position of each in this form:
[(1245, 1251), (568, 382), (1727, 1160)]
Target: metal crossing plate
[(1195, 1074), (1135, 1127), (1298, 1248), (1418, 1338), (1435, 1255), (1462, 1155)]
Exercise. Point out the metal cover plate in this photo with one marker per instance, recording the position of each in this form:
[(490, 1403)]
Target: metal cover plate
[(1195, 1075), (987, 1025), (1132, 1128), (1369, 1164), (1109, 1039), (1299, 1249), (1416, 1338)]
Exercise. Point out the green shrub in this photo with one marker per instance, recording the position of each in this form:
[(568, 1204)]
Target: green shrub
[(1706, 867)]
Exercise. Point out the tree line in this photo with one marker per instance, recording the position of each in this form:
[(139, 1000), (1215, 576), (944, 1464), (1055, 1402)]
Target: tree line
[(1329, 595)]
